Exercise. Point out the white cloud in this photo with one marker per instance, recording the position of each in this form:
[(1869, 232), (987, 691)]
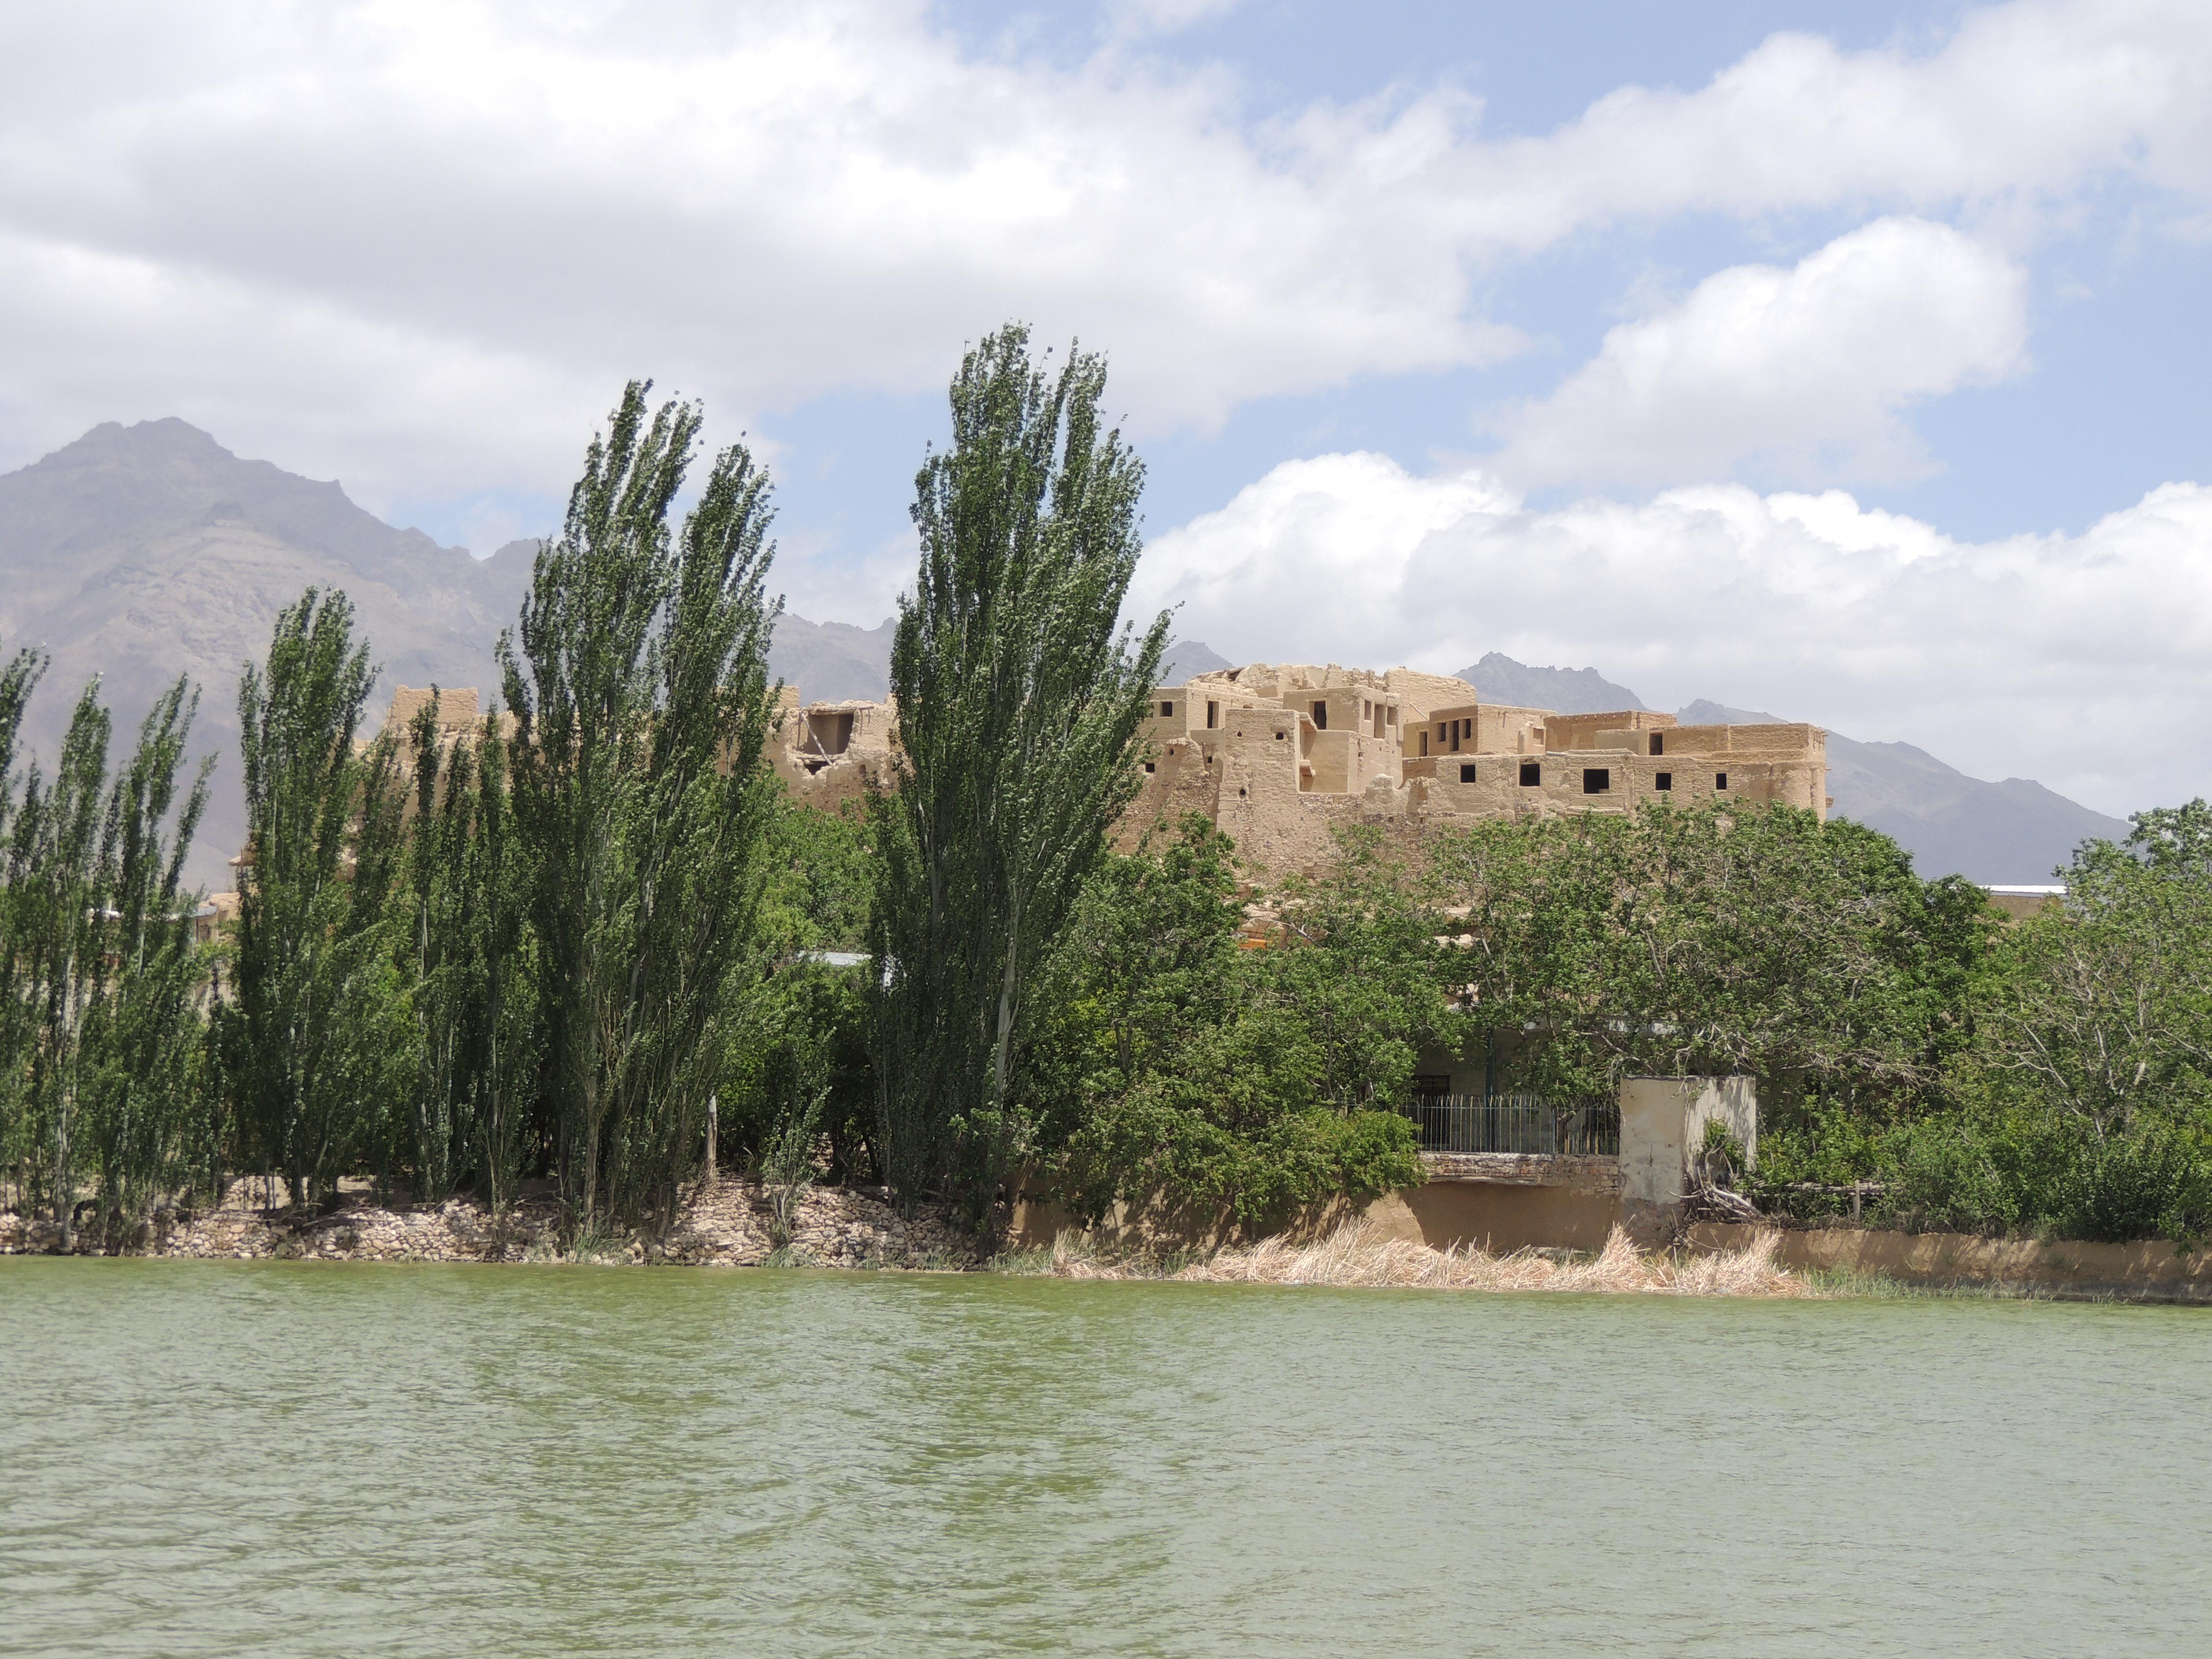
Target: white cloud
[(1134, 19), (120, 338), (2084, 661), (2022, 107), (1801, 373), (764, 203)]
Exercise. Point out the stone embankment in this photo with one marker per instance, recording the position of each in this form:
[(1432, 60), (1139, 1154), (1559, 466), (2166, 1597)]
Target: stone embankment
[(722, 1224)]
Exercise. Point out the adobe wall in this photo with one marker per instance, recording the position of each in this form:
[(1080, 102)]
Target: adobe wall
[(1572, 1208), (2152, 1269), (1582, 731), (1570, 783), (1419, 693), (1473, 1215), (1280, 756)]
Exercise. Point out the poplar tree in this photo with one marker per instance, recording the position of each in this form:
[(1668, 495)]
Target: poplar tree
[(642, 703), (99, 1030), (1018, 708), (54, 900), (148, 1093), (318, 1042), (17, 681), (466, 953)]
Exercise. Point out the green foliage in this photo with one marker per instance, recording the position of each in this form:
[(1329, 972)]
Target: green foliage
[(147, 1089), (103, 1064), (2071, 1096), (1019, 706), (1180, 1068), (798, 1042), (1672, 941), (640, 692), (470, 958), (319, 1040)]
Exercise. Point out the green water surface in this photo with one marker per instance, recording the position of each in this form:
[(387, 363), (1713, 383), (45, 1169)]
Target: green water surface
[(320, 1459)]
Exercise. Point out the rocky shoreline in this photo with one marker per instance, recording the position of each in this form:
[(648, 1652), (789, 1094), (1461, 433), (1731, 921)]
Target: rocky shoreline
[(724, 1222)]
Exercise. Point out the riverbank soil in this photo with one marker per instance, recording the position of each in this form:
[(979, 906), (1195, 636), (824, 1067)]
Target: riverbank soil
[(724, 1222)]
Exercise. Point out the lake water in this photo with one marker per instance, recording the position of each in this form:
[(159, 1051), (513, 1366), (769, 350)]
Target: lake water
[(263, 1458)]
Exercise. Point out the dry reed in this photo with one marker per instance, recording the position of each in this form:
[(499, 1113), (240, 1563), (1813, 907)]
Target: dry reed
[(1352, 1255)]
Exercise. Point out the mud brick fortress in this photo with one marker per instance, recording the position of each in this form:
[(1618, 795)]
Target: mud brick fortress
[(1280, 756)]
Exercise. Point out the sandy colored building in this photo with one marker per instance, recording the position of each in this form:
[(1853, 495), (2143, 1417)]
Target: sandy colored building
[(1281, 757)]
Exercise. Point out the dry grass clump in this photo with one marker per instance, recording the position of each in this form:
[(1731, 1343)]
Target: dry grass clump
[(1352, 1255)]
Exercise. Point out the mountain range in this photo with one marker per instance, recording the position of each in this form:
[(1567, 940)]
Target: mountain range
[(139, 553)]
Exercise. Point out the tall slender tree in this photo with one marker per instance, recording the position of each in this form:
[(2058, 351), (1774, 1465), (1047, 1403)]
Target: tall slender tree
[(1018, 706), (17, 681), (149, 1090), (54, 897), (100, 1035), (318, 1041), (467, 957), (642, 702)]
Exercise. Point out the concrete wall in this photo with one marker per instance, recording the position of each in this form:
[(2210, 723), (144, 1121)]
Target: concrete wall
[(1662, 1127)]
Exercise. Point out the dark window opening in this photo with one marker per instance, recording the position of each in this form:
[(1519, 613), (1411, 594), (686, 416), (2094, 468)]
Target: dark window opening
[(1596, 780), (1212, 713), (1664, 780), (1455, 724), (1148, 767), (1320, 716), (1719, 781), (1166, 707), (1425, 740), (1532, 773), (1279, 736), (1435, 1086), (1467, 772), (1658, 743), (1240, 794)]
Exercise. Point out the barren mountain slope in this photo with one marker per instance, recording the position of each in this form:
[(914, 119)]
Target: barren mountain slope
[(139, 553)]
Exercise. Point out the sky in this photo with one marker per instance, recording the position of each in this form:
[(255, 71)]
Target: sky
[(1847, 361)]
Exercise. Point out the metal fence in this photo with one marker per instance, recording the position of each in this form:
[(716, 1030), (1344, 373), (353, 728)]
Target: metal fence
[(1515, 1123)]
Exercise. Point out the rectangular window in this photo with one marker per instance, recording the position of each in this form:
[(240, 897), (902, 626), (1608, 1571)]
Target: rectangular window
[(1664, 780), (1366, 709), (1658, 743), (1596, 780), (1320, 716), (1166, 707), (1425, 740), (1454, 737), (1390, 713), (1532, 773), (1213, 714), (1719, 781), (1467, 772), (1148, 769)]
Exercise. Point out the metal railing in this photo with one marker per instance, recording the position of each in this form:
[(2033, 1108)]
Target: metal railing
[(1527, 1124)]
